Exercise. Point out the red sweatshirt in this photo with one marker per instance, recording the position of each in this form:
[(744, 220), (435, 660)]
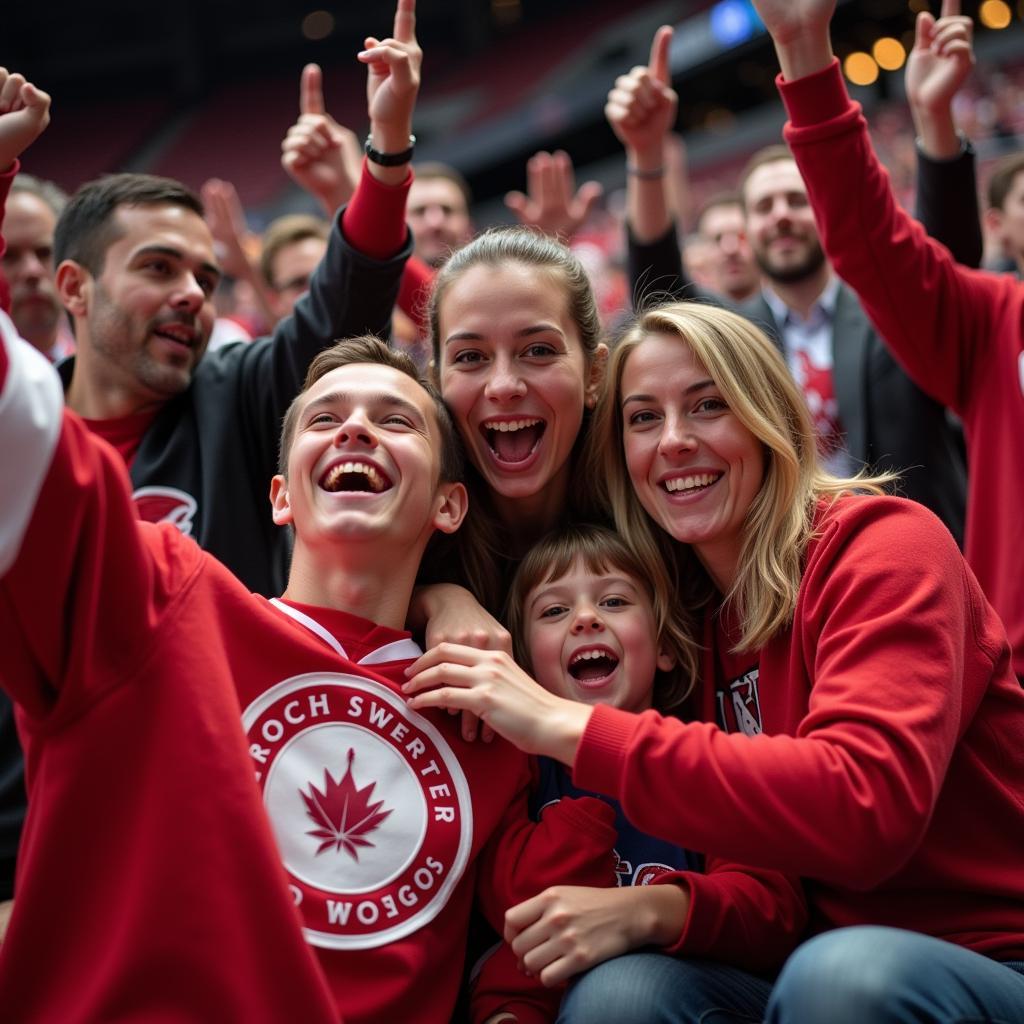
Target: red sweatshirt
[(149, 880), (877, 745), (958, 332)]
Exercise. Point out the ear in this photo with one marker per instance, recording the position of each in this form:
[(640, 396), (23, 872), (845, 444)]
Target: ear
[(280, 501), (666, 659), (74, 286), (993, 221), (598, 365), (452, 508)]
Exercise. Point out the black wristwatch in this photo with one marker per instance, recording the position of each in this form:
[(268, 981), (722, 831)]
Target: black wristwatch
[(389, 159)]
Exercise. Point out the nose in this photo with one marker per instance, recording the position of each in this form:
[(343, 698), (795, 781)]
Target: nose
[(433, 216), (355, 429), (190, 295), (729, 243), (586, 620), (676, 436), (504, 381), (30, 268)]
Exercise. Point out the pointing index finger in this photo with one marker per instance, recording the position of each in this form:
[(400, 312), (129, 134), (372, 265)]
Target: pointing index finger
[(311, 91), (950, 8), (658, 63), (405, 21)]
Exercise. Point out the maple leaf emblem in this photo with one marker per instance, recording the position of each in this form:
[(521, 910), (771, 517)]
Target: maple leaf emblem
[(342, 812)]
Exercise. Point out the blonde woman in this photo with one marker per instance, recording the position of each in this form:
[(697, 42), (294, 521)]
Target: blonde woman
[(856, 718)]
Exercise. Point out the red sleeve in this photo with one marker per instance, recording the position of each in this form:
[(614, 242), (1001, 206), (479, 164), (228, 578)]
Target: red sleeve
[(740, 915), (937, 317), (83, 593), (373, 222), (414, 294), (572, 844), (848, 796), (6, 178)]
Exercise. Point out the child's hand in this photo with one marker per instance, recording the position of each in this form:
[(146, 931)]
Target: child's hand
[(569, 928), (24, 114), (496, 689)]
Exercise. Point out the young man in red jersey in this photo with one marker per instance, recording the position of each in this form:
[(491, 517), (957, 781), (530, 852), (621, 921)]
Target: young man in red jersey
[(132, 654)]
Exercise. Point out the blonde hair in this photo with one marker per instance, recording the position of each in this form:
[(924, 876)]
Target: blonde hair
[(761, 393), (601, 549)]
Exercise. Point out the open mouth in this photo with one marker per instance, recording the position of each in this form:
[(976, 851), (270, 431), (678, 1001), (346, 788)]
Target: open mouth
[(692, 484), (513, 441), (591, 666), (359, 477)]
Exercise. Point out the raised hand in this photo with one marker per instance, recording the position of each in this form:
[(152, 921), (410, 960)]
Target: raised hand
[(24, 115), (553, 204), (226, 219), (496, 689), (568, 929), (641, 106), (937, 67), (320, 155), (800, 32), (393, 80)]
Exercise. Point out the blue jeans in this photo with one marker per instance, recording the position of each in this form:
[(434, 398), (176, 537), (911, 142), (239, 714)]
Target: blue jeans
[(863, 975)]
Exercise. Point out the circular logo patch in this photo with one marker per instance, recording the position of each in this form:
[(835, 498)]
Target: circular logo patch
[(369, 805)]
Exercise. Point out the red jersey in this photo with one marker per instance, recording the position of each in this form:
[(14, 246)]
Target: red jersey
[(157, 828)]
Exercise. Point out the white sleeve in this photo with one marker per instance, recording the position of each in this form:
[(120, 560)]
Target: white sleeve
[(31, 403)]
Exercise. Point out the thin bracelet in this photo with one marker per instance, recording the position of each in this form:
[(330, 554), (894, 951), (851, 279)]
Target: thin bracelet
[(652, 175)]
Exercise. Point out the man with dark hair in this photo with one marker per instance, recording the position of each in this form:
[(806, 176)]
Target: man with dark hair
[(438, 212), (292, 248), (33, 207), (1005, 213), (866, 409)]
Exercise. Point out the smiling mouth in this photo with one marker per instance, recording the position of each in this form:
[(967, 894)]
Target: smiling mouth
[(179, 334), (513, 441), (359, 477), (692, 484), (591, 667)]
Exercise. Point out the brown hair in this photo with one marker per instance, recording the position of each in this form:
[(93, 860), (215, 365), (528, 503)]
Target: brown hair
[(285, 231), (480, 548), (1003, 175), (601, 549), (370, 349)]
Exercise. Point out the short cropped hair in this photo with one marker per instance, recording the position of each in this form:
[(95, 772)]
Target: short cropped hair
[(1003, 176), (717, 200), (766, 155), (285, 231), (431, 170), (87, 228), (368, 348), (49, 192)]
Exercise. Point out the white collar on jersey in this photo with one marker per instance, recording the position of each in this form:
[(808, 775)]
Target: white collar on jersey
[(397, 650)]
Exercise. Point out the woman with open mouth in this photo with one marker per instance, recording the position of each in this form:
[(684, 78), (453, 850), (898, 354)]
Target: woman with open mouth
[(517, 353)]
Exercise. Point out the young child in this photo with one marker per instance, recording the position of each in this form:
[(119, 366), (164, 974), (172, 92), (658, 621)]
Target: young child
[(588, 621)]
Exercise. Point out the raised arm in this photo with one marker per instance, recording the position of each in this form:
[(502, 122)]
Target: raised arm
[(947, 191)]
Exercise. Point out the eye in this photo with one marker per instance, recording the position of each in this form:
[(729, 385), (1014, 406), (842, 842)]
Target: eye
[(158, 266), (468, 357), (614, 601), (396, 419), (711, 404), (552, 611), (540, 350), (322, 419), (641, 418)]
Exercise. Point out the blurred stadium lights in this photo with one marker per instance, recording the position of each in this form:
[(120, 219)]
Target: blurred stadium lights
[(995, 14), (318, 24), (860, 68), (889, 53)]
